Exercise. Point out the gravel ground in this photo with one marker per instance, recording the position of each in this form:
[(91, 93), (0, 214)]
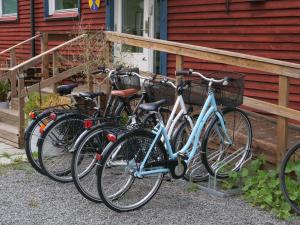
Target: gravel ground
[(29, 198)]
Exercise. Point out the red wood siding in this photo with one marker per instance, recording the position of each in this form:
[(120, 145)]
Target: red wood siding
[(269, 29), (12, 33)]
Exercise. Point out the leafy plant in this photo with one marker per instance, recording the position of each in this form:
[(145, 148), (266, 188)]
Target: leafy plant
[(4, 89), (262, 187)]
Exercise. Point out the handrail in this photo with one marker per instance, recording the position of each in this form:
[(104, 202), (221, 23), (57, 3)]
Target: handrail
[(231, 58), (38, 58), (19, 44)]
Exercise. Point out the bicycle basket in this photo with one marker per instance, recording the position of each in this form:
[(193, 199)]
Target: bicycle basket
[(157, 91), (127, 82), (230, 95)]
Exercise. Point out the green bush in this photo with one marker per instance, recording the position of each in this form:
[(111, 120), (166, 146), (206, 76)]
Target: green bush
[(4, 89), (262, 188)]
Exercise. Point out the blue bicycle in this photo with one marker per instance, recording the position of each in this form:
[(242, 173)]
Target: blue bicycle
[(133, 165)]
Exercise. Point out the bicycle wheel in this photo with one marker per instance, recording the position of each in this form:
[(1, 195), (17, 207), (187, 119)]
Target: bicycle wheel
[(290, 177), (31, 137), (55, 146), (196, 171), (118, 186), (220, 155), (88, 145)]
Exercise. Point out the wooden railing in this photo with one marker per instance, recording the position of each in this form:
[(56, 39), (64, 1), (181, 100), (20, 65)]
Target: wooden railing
[(13, 62), (284, 70), (16, 73)]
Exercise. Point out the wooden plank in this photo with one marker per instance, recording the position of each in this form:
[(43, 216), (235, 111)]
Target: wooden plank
[(282, 122), (55, 65), (215, 55), (13, 80), (19, 44), (52, 80), (45, 58), (272, 108), (21, 122)]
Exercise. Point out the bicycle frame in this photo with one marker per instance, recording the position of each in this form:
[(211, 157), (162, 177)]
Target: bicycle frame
[(209, 108)]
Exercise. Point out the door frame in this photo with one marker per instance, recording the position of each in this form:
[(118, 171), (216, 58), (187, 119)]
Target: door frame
[(163, 27)]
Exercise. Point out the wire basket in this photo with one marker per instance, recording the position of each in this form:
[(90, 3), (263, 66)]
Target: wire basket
[(127, 82), (230, 95), (157, 91)]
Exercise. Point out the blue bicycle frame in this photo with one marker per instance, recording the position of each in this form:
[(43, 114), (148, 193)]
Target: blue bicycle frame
[(209, 108)]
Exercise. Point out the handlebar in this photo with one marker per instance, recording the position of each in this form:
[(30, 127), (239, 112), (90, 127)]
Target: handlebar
[(190, 72)]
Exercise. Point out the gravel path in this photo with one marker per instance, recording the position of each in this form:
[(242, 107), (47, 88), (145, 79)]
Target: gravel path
[(29, 198)]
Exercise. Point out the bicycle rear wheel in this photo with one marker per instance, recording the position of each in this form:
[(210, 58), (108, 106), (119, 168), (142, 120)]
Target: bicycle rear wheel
[(218, 155), (55, 146), (290, 177), (31, 137), (118, 186), (84, 162)]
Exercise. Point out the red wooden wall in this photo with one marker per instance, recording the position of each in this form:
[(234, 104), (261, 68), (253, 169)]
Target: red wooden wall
[(269, 29), (14, 32)]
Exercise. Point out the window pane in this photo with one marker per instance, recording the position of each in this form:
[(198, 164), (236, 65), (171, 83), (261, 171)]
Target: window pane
[(133, 21), (9, 6), (66, 4)]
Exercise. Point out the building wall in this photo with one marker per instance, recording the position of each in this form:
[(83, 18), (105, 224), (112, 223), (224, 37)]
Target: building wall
[(14, 32), (269, 29)]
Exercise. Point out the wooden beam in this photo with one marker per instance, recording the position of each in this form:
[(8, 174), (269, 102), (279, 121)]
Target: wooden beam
[(21, 121), (13, 79), (210, 54), (282, 122), (45, 58), (19, 44), (52, 80)]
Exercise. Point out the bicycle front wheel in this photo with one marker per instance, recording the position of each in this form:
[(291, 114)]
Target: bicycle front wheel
[(226, 151), (119, 187), (55, 146), (290, 177)]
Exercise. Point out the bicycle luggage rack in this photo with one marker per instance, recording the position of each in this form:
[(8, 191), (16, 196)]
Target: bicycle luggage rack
[(212, 184)]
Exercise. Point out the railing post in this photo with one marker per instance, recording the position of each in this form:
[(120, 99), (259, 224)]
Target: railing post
[(55, 67), (179, 66), (45, 58), (282, 122), (13, 79), (21, 122)]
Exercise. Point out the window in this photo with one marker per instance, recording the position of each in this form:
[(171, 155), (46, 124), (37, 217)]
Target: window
[(8, 8), (62, 6)]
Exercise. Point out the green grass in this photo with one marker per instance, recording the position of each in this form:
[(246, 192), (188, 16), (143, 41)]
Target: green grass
[(17, 164), (6, 155), (192, 187), (33, 203)]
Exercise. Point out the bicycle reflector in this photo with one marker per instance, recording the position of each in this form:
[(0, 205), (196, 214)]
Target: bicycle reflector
[(98, 156), (88, 123), (53, 116), (111, 137), (32, 115), (42, 128)]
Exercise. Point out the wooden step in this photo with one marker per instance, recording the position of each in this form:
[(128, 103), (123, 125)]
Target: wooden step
[(9, 134), (9, 116), (14, 103)]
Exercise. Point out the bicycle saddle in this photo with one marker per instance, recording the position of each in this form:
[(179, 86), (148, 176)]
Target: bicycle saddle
[(153, 106), (91, 95), (65, 89), (124, 93)]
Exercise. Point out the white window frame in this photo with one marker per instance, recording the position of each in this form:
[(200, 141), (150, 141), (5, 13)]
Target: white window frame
[(6, 15), (53, 11)]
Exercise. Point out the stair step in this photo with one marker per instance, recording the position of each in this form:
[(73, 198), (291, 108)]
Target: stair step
[(14, 102), (9, 116), (9, 133)]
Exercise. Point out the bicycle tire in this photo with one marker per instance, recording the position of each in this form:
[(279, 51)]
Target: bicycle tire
[(62, 145), (208, 162), (82, 175), (283, 175), (123, 146)]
